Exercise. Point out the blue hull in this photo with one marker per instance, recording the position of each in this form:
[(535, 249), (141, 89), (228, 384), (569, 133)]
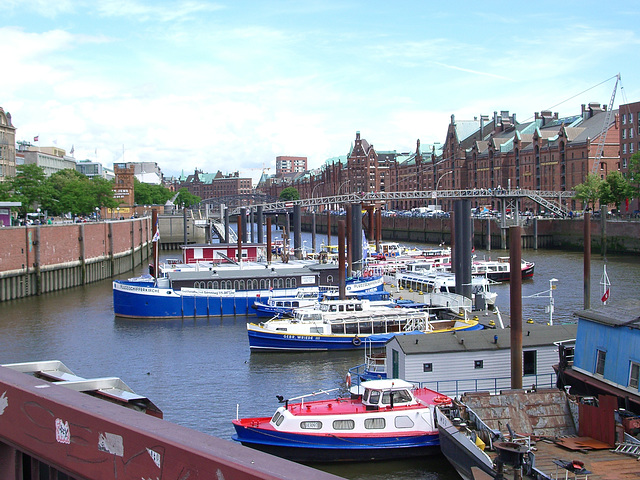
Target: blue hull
[(137, 300), (332, 448), (270, 340)]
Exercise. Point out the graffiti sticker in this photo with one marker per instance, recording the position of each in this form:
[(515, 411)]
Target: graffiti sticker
[(63, 434)]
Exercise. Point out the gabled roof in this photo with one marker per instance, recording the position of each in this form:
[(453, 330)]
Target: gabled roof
[(342, 159)]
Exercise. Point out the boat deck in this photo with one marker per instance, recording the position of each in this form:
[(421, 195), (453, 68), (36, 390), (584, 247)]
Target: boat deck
[(545, 415), (602, 463)]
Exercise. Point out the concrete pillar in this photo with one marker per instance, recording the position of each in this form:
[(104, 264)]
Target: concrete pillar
[(488, 234), (313, 232), (226, 225), (535, 233), (297, 231), (349, 240), (342, 288), (467, 246), (378, 228), (356, 236), (251, 219), (241, 219), (184, 226), (328, 228), (260, 226), (242, 226)]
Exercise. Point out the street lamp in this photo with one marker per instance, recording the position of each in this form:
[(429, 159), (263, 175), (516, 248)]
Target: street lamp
[(118, 209), (435, 192), (343, 184), (97, 213)]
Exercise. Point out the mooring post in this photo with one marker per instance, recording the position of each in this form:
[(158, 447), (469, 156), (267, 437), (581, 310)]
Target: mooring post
[(515, 291)]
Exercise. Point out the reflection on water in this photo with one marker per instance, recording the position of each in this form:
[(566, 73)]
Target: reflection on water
[(198, 371)]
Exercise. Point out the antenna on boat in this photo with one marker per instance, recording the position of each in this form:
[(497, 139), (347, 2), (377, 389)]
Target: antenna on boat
[(547, 294), (604, 281)]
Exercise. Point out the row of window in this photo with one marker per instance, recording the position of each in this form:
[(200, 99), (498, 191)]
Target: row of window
[(250, 284), (631, 145), (624, 133), (624, 118), (401, 421)]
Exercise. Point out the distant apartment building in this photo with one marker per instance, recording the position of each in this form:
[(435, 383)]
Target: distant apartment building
[(209, 185), (90, 168), (7, 146), (50, 159), (629, 142), (286, 164)]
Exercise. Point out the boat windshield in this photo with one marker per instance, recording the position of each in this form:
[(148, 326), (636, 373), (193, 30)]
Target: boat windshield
[(311, 317)]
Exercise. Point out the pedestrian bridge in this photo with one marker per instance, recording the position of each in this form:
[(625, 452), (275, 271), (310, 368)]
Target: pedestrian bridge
[(550, 200)]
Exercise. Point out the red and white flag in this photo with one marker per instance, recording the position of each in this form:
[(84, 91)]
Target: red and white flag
[(36, 138), (605, 297)]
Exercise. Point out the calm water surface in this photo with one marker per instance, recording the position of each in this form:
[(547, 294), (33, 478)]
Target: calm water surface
[(200, 371)]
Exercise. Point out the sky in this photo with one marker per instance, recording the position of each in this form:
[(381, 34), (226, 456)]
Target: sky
[(231, 85)]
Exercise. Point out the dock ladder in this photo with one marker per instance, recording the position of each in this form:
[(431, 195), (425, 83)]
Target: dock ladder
[(632, 449)]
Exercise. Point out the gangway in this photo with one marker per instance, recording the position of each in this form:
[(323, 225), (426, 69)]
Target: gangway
[(218, 227)]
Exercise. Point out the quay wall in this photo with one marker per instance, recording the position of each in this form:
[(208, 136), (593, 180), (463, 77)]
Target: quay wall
[(36, 259), (617, 236)]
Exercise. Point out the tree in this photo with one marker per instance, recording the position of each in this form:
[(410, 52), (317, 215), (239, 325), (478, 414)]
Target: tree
[(614, 189), (289, 193), (633, 174), (186, 198), (149, 194), (28, 187), (589, 190)]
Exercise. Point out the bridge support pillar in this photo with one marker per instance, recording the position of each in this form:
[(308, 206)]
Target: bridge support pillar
[(251, 220), (342, 288), (260, 227), (226, 224), (297, 231), (488, 246), (313, 231), (535, 233), (349, 239), (378, 228), (462, 258), (242, 226), (268, 239), (356, 236), (328, 228)]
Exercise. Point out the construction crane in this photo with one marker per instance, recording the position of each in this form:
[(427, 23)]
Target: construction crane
[(605, 128)]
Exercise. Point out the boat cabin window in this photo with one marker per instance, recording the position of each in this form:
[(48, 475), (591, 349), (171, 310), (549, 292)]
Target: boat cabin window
[(317, 330), (374, 423), (373, 397), (350, 307), (308, 425), (399, 396), (277, 418), (358, 307), (337, 328), (295, 304), (344, 424), (403, 421)]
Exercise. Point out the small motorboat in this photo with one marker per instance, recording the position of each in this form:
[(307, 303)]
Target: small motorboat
[(391, 419)]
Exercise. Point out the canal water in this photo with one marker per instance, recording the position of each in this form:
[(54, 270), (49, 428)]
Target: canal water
[(201, 372)]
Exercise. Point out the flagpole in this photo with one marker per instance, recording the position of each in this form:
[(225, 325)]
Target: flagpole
[(154, 226)]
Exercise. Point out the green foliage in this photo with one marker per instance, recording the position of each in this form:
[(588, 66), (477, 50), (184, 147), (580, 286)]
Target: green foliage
[(589, 191), (28, 187), (289, 193), (147, 194), (633, 174), (614, 190), (186, 199)]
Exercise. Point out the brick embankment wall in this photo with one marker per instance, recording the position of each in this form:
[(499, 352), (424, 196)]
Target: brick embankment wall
[(43, 258)]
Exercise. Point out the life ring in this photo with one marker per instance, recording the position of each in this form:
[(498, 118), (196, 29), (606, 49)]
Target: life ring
[(441, 399), (356, 341), (347, 380)]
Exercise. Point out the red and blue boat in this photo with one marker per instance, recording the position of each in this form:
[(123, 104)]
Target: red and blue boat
[(391, 419)]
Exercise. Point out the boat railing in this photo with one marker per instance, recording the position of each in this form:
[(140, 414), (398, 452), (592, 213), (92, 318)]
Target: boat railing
[(419, 322), (455, 388), (308, 395)]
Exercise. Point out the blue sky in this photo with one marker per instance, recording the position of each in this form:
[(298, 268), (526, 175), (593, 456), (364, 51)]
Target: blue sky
[(230, 85)]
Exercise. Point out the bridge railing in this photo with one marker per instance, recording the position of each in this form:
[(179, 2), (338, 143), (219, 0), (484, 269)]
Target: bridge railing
[(383, 197)]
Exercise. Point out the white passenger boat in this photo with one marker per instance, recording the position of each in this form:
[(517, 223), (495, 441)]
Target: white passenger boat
[(345, 324)]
